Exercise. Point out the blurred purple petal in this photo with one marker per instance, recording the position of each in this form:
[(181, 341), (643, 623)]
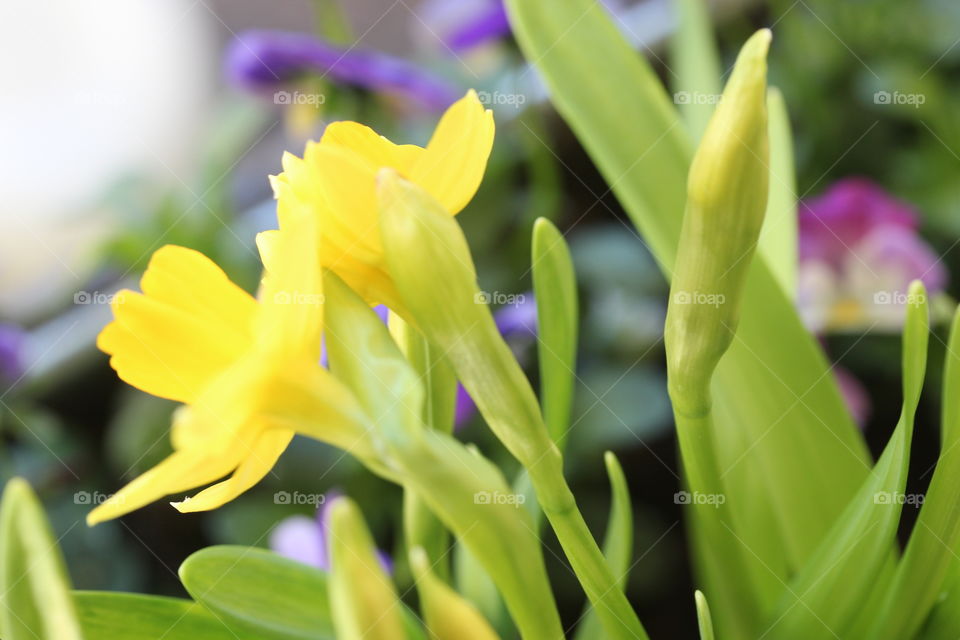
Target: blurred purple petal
[(11, 352), (262, 60), (299, 538), (859, 251), (830, 225), (490, 24)]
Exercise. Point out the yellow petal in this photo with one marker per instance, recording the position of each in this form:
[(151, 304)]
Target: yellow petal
[(290, 318), (190, 323), (178, 472), (377, 149), (164, 350), (190, 281), (452, 167), (268, 448)]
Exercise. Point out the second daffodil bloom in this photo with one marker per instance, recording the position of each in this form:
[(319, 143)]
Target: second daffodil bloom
[(336, 181), (246, 369)]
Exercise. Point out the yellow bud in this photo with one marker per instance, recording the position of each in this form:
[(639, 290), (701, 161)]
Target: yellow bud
[(726, 200)]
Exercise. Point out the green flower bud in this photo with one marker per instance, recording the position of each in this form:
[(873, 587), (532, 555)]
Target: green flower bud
[(726, 200)]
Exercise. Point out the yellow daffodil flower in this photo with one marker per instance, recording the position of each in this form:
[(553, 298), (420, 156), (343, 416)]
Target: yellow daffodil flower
[(336, 182), (247, 370)]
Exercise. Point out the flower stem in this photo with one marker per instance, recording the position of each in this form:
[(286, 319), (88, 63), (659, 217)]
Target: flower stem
[(601, 586)]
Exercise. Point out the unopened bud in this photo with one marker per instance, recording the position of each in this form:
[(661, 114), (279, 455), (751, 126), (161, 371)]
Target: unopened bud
[(726, 200)]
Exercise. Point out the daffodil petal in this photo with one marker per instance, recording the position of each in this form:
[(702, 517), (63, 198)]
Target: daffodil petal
[(164, 350), (178, 472), (456, 157), (377, 149), (190, 281), (268, 448)]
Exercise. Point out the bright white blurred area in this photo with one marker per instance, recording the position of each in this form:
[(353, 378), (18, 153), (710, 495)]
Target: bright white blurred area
[(91, 92)]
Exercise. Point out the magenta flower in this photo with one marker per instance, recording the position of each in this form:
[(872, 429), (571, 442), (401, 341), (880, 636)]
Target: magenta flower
[(859, 250)]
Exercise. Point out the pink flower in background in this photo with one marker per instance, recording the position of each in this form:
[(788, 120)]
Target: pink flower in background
[(859, 250)]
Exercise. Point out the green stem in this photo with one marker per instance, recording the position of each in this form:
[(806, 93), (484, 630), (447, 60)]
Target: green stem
[(601, 586), (714, 516)]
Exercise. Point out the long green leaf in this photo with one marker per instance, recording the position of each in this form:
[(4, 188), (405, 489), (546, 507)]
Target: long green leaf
[(704, 620), (694, 65), (617, 543), (827, 594), (259, 591), (555, 290), (130, 616), (778, 240), (35, 602), (935, 538), (791, 456)]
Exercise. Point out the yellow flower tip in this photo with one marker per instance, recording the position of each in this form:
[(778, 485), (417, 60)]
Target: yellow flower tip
[(917, 290)]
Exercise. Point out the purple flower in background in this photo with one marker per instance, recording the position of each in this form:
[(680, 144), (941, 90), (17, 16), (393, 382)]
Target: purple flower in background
[(262, 60), (11, 352), (465, 24), (859, 250), (305, 539)]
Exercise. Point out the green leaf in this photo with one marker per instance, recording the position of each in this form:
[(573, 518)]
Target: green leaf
[(465, 490), (778, 240), (790, 453), (362, 597), (929, 567), (828, 593), (35, 602), (259, 591), (704, 620), (617, 543), (129, 616), (555, 290), (695, 65)]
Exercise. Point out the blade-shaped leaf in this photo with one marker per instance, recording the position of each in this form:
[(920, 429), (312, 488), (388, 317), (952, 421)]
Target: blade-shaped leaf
[(704, 620), (695, 65), (35, 602), (925, 558), (130, 616), (617, 543), (789, 450), (778, 240), (260, 591), (827, 594), (555, 291)]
